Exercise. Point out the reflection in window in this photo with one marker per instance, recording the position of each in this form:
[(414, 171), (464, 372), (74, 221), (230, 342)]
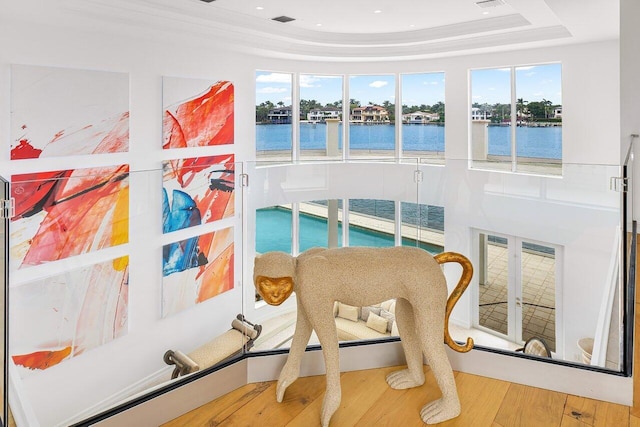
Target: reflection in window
[(320, 116), (423, 115), (273, 116), (521, 130), (372, 115), (319, 224), (423, 226), (371, 222)]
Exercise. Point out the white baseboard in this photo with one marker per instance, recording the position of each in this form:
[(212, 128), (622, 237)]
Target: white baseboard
[(156, 380)]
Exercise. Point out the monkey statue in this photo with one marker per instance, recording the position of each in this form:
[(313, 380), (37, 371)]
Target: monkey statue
[(362, 276)]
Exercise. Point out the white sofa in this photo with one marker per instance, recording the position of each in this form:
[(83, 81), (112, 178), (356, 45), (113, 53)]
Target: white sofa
[(365, 323)]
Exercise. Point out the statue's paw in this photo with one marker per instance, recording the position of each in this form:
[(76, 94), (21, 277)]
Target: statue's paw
[(330, 405), (287, 377), (280, 389), (440, 410), (401, 380)]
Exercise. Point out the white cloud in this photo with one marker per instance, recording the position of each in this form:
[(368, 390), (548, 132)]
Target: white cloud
[(378, 84), (270, 90), (430, 83), (477, 97), (308, 81), (530, 74), (274, 78)]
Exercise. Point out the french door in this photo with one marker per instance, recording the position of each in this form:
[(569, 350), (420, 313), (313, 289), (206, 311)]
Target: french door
[(517, 293)]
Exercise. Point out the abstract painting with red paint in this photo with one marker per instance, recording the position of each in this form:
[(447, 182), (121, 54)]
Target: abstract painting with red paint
[(65, 112), (57, 317), (196, 269), (60, 214), (197, 191), (197, 113)]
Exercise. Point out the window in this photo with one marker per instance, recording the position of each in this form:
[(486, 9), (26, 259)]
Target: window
[(371, 222), (320, 116), (516, 295), (372, 116), (274, 116), (423, 115), (423, 226), (516, 119)]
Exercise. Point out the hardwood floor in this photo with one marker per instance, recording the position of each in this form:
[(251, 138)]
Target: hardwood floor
[(367, 400)]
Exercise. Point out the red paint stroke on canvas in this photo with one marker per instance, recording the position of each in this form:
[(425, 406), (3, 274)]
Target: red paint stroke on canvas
[(108, 136), (42, 359), (86, 212), (111, 135), (218, 276), (202, 121), (24, 150), (185, 170)]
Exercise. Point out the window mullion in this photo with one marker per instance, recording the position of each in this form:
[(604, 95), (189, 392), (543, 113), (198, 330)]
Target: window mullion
[(514, 120)]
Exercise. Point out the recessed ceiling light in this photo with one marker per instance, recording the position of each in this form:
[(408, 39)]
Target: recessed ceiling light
[(489, 3), (411, 25), (377, 11), (259, 7), (485, 13), (318, 25), (283, 19)]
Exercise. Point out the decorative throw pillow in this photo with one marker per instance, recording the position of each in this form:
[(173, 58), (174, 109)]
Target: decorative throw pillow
[(390, 318), (369, 309), (348, 312), (394, 330), (377, 323)]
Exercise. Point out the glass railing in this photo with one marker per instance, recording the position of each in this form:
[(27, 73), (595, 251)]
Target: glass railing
[(127, 283), (119, 281)]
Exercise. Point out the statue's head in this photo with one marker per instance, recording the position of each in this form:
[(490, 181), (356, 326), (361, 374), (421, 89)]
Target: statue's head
[(273, 274)]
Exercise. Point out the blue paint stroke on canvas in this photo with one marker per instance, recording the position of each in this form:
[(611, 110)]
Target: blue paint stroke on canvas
[(182, 213)]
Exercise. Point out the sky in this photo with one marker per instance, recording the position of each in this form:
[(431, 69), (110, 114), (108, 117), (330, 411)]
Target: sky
[(533, 83), (417, 89)]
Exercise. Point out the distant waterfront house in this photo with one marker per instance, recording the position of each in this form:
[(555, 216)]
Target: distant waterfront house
[(369, 114), (280, 115), (480, 114), (420, 117), (321, 114), (557, 113)]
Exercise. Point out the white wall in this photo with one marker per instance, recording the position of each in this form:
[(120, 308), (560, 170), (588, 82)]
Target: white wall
[(630, 88), (33, 33), (81, 382)]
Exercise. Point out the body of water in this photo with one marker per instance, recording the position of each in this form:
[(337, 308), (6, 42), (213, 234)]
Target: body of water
[(542, 142)]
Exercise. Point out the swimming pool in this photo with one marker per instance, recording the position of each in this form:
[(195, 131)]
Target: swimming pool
[(273, 233)]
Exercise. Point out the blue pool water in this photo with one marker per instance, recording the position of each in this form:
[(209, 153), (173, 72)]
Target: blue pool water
[(273, 233), (543, 142)]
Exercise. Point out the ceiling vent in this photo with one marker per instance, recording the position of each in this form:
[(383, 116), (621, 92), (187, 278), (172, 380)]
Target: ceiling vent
[(490, 3), (283, 19)]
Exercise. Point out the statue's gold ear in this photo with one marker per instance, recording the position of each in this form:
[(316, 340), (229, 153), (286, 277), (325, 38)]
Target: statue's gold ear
[(274, 290)]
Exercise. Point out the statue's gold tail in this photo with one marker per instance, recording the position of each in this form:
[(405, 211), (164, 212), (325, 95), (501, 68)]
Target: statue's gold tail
[(465, 279)]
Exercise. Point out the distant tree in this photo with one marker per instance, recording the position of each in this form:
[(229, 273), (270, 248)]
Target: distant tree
[(391, 109), (306, 106), (536, 109), (521, 108), (438, 108), (262, 111)]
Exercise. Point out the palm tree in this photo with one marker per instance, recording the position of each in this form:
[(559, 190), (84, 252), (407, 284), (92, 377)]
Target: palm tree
[(521, 108)]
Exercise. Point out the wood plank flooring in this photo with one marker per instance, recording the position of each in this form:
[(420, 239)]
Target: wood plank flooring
[(368, 401)]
